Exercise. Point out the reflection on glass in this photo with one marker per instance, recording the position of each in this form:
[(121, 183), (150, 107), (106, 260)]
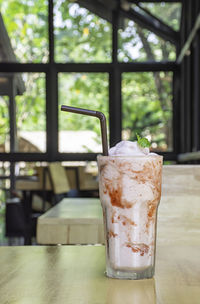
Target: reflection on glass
[(80, 36), (131, 291), (139, 44), (170, 13), (147, 108), (31, 119), (24, 26), (80, 133)]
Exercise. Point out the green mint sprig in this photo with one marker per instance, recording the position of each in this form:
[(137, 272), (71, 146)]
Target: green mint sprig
[(143, 142)]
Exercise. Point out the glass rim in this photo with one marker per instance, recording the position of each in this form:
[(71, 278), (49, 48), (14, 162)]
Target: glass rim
[(131, 156)]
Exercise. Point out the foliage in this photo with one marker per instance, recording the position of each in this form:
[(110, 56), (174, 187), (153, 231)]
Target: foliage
[(81, 36), (26, 24), (85, 90), (31, 105), (142, 109), (4, 120), (143, 142), (169, 13)]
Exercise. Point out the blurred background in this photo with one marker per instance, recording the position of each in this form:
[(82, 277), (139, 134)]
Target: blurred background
[(136, 61)]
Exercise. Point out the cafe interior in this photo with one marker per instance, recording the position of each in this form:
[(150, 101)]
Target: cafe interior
[(137, 62)]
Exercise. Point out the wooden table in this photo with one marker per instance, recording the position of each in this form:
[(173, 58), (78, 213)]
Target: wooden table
[(75, 274), (81, 223), (72, 221)]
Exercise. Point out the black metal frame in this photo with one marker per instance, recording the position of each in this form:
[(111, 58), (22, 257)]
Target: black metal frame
[(114, 69), (152, 24), (189, 109)]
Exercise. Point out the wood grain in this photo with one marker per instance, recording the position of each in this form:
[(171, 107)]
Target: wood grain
[(72, 221), (75, 274)]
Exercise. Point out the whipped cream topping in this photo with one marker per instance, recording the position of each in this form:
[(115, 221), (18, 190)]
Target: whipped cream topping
[(128, 148)]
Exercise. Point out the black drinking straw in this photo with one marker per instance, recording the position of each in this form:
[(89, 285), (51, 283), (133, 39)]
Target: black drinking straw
[(97, 114)]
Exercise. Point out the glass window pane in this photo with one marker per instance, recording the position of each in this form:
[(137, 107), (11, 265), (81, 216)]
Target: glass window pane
[(31, 114), (139, 44), (170, 13), (80, 36), (80, 133), (24, 31), (4, 120), (147, 108)]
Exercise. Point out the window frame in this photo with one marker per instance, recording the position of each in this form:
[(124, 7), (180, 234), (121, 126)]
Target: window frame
[(114, 69)]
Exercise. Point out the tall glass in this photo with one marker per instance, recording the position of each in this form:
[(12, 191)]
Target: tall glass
[(130, 191)]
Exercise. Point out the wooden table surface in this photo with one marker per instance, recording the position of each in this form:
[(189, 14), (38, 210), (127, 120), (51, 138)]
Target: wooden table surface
[(75, 274), (72, 221)]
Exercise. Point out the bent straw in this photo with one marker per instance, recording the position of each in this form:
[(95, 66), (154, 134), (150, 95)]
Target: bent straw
[(97, 114)]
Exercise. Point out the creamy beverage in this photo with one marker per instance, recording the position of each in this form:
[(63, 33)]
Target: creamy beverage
[(130, 190)]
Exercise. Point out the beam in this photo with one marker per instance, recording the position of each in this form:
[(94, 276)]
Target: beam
[(124, 67), (83, 67), (50, 31), (13, 128), (176, 111), (23, 67), (156, 19), (97, 8), (152, 24), (196, 90), (156, 1), (148, 66), (51, 113), (115, 118), (188, 42), (31, 157), (88, 67), (12, 115), (102, 8), (60, 67)]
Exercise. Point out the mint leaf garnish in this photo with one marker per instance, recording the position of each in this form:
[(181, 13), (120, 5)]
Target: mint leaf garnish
[(143, 142)]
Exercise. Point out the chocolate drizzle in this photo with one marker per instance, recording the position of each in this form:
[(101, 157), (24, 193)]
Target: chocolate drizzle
[(125, 220), (112, 234), (148, 171), (138, 247)]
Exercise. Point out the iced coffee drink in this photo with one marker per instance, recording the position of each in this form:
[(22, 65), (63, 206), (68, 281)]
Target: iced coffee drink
[(130, 190)]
